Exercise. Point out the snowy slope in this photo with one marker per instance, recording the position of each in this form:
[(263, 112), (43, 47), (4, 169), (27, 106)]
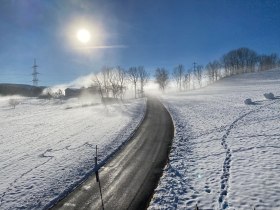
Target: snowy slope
[(47, 147), (225, 154)]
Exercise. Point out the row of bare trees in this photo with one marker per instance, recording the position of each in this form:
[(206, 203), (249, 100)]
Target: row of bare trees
[(138, 75), (187, 79), (245, 60), (213, 71), (238, 61), (114, 81), (267, 62), (184, 79)]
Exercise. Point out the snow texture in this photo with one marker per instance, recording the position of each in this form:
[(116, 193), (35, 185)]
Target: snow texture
[(47, 147), (225, 154)]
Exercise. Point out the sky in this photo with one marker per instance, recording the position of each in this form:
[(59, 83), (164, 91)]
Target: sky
[(151, 33)]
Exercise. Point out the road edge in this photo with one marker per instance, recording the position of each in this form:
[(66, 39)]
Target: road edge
[(167, 157), (74, 186)]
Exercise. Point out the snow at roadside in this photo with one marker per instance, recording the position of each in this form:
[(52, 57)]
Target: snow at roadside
[(225, 154), (48, 146)]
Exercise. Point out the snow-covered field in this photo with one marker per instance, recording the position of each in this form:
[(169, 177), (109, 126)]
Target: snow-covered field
[(225, 154), (47, 147)]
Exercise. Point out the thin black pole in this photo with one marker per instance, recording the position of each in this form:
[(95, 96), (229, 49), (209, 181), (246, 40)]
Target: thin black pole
[(98, 180), (101, 195), (95, 156), (95, 150)]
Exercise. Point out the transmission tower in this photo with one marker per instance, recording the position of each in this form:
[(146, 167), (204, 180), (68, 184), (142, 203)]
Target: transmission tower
[(35, 74), (194, 65)]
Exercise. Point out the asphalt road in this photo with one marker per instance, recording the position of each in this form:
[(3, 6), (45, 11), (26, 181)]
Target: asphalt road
[(128, 180)]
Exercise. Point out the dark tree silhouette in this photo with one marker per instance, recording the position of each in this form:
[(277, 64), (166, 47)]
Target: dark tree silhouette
[(267, 62), (187, 80), (178, 75), (133, 76), (162, 78), (143, 77), (197, 72), (242, 60), (213, 71)]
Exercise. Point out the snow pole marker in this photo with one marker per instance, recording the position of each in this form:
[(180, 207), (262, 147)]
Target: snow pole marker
[(96, 172), (97, 178)]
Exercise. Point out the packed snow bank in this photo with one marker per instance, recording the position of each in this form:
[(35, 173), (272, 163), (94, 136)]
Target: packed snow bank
[(225, 154), (47, 148)]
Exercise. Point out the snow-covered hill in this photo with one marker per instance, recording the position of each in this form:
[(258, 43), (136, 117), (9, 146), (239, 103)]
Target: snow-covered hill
[(225, 154), (47, 147)]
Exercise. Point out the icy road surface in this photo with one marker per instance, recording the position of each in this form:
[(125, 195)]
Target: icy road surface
[(47, 147), (129, 178), (225, 154)]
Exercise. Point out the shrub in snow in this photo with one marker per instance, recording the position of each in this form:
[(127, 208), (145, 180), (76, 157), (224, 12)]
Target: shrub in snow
[(269, 96), (47, 94), (13, 102), (58, 94), (248, 101)]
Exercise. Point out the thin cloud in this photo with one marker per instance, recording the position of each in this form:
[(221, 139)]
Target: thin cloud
[(104, 47)]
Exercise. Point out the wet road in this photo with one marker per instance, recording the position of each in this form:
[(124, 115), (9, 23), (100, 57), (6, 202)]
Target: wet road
[(130, 177)]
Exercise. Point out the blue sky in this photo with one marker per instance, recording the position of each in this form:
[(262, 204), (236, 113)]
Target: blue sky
[(153, 33)]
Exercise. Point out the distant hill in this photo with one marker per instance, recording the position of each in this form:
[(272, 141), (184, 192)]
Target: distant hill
[(20, 89)]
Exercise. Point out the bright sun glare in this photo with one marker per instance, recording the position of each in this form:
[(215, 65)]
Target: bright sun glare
[(83, 35)]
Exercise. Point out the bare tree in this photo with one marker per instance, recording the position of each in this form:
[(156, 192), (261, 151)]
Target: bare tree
[(48, 93), (58, 94), (144, 77), (197, 72), (110, 81), (239, 61), (113, 82), (13, 102), (213, 71), (105, 80), (121, 78), (133, 76), (178, 75), (116, 81), (267, 62), (192, 78), (98, 81), (162, 78), (187, 80)]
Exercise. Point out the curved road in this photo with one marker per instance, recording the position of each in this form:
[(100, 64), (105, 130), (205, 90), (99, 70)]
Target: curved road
[(128, 180)]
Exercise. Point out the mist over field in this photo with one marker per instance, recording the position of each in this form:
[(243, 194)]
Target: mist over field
[(139, 104)]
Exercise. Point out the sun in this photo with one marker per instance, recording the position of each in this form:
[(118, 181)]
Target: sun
[(83, 35)]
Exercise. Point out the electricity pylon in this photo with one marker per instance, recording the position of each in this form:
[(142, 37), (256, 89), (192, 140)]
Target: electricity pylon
[(35, 74)]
